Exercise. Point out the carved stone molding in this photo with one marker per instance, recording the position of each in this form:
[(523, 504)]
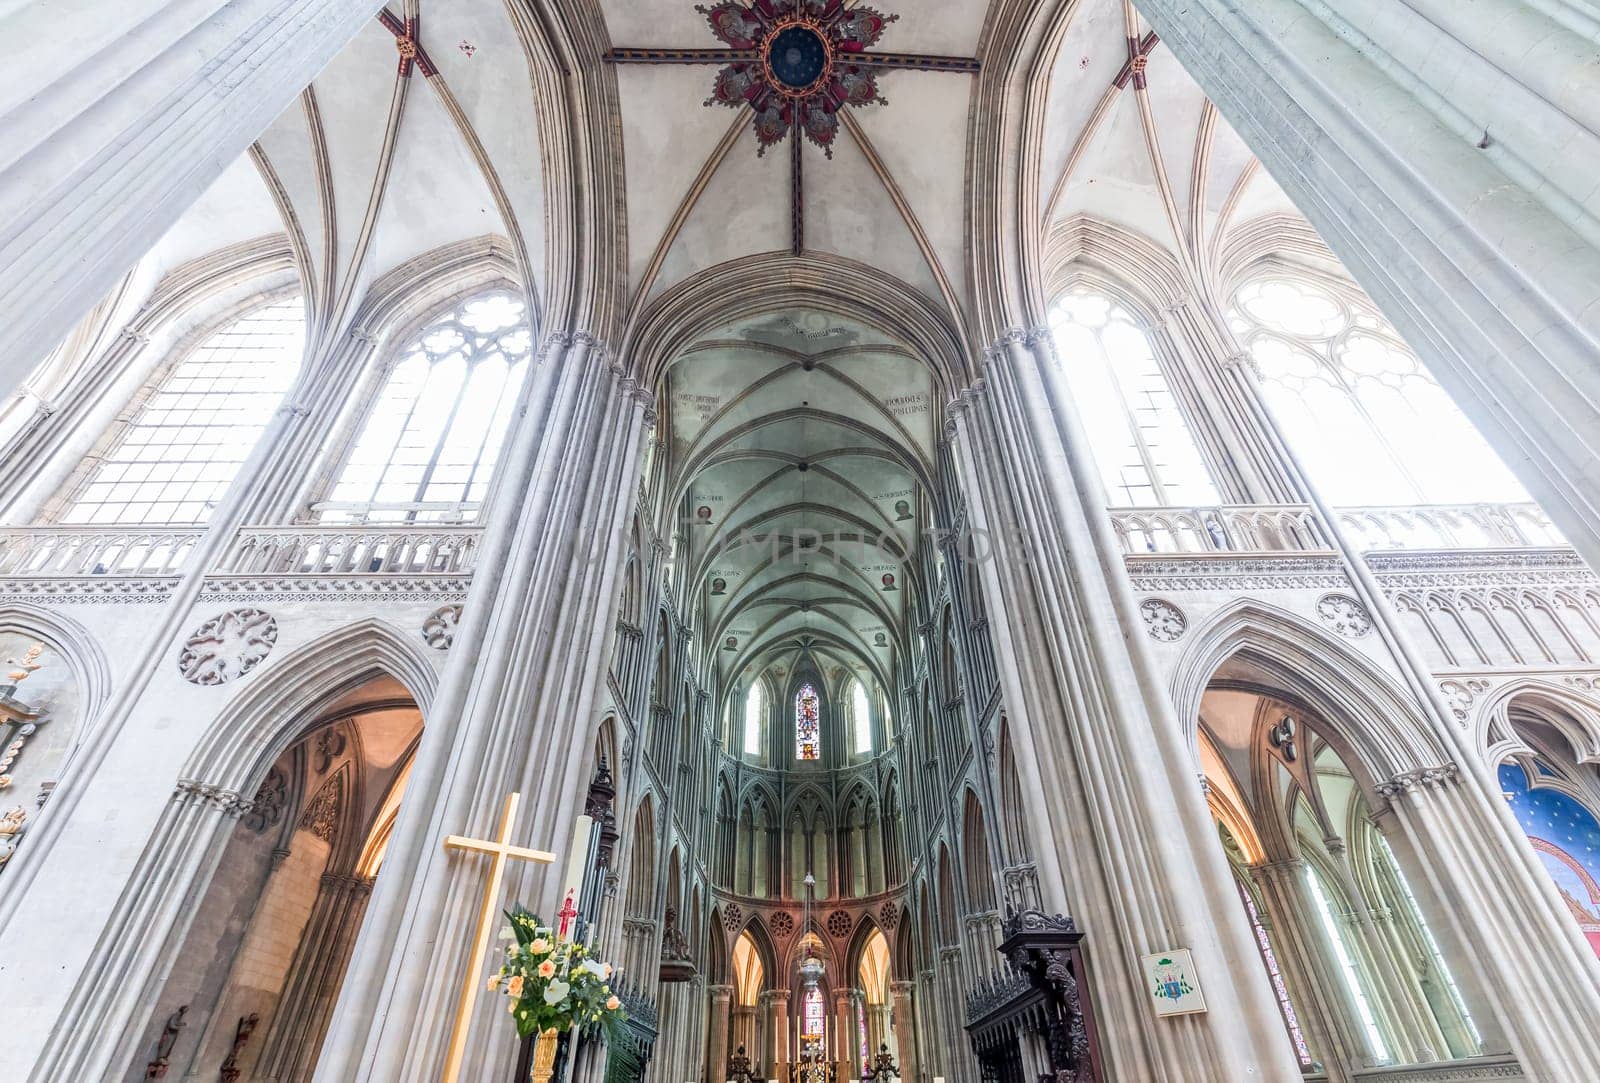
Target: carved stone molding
[(99, 589), (327, 588), (439, 629), (321, 814), (1175, 574), (228, 802), (267, 807), (1461, 693), (1421, 778), (1345, 615), (1163, 621), (227, 646)]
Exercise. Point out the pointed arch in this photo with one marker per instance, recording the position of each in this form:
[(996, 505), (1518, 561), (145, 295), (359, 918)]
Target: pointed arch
[(285, 694), (1377, 727)]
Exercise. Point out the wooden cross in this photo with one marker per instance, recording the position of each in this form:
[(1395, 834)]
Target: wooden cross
[(503, 852)]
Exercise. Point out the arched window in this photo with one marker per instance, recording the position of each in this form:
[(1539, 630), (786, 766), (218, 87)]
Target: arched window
[(815, 1015), (184, 445), (1347, 966), (1369, 422), (860, 719), (807, 724), (1143, 445), (755, 708), (429, 445)]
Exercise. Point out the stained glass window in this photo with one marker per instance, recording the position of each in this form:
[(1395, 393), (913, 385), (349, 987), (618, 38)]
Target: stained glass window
[(1140, 439), (807, 724), (1370, 423), (1279, 989), (429, 447), (184, 444), (754, 707), (814, 1015)]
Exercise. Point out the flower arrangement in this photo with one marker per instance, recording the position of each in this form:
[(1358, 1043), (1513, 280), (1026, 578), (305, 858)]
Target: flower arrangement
[(551, 983)]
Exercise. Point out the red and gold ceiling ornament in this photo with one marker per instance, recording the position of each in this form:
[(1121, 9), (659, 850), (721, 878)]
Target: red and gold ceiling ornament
[(799, 71)]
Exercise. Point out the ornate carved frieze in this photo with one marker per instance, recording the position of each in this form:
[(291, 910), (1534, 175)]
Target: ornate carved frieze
[(1345, 615), (1173, 574), (1421, 778), (439, 629), (99, 589), (1403, 570), (327, 588), (227, 646), (1163, 621)]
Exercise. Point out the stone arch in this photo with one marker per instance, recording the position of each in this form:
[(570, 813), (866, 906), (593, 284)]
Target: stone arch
[(253, 730), (978, 869), (753, 285), (639, 901), (1378, 730), (1568, 711)]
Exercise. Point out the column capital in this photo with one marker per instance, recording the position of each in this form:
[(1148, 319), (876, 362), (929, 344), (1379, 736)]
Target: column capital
[(1419, 779)]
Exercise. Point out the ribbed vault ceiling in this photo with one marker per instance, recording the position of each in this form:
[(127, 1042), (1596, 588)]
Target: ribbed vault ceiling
[(374, 168), (802, 447)]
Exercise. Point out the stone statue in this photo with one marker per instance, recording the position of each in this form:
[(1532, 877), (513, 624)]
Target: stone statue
[(157, 1068)]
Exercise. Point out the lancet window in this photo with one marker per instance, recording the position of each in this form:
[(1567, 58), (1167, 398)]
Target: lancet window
[(428, 447), (860, 719), (807, 724), (174, 459), (755, 707), (1146, 453)]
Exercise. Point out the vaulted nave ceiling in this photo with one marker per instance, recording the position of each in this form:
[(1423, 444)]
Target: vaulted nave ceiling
[(388, 158), (814, 434)]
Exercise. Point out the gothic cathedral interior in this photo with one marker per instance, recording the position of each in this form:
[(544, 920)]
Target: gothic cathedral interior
[(968, 541)]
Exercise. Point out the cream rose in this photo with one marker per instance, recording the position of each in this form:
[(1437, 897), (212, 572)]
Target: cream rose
[(612, 1004), (546, 969), (514, 986)]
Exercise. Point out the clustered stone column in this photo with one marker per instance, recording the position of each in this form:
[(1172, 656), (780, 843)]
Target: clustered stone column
[(1099, 752), (301, 1018), (903, 994), (845, 1033), (125, 123), (777, 1034), (528, 657), (717, 1045)]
